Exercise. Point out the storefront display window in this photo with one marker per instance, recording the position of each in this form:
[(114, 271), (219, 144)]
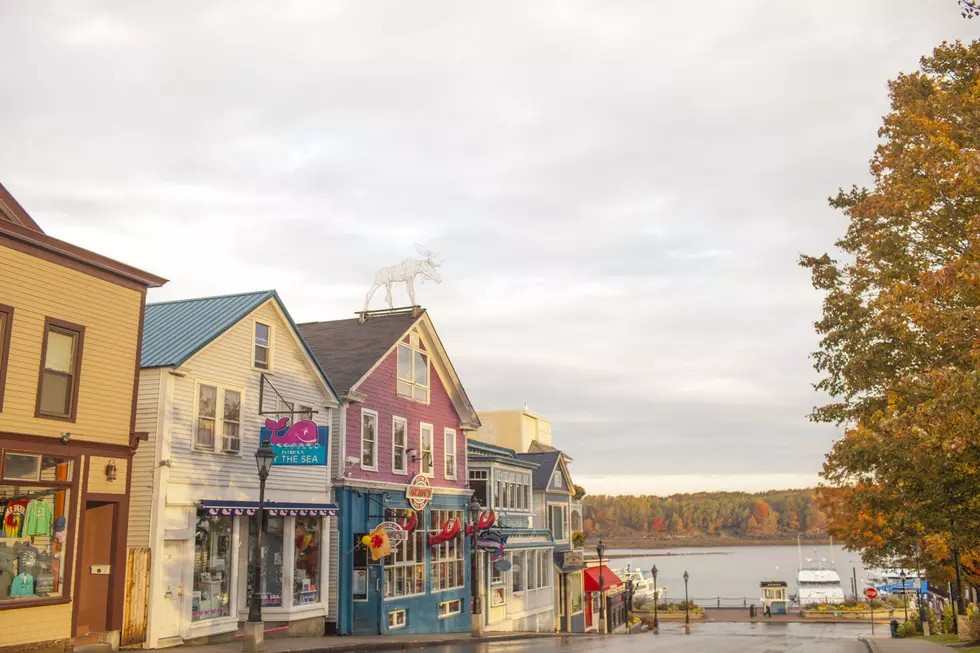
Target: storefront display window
[(211, 598), (306, 571), (272, 554), (517, 571), (575, 591), (447, 558), (405, 567), (35, 519)]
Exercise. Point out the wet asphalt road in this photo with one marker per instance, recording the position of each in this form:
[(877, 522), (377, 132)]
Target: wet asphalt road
[(705, 637)]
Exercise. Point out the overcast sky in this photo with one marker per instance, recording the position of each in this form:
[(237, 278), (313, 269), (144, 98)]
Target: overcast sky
[(619, 191)]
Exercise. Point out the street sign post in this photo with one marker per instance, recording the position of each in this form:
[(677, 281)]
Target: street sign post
[(871, 593)]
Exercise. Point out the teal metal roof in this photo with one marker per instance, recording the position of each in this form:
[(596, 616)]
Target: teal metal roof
[(175, 331), (483, 452)]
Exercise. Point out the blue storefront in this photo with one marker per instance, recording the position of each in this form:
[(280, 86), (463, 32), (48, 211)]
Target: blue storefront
[(419, 588)]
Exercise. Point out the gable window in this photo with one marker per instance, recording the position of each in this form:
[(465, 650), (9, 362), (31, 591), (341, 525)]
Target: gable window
[(262, 356), (218, 429), (449, 453), (425, 448), (6, 316), (399, 442), (556, 481), (369, 440), (61, 358), (413, 374)]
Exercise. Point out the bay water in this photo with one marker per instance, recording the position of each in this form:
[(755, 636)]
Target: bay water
[(734, 572)]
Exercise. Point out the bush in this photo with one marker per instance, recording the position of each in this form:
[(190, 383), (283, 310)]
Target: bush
[(907, 629), (973, 624), (931, 617), (948, 618)]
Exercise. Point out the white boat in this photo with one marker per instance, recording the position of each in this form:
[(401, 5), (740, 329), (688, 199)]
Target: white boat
[(816, 585), (643, 588)]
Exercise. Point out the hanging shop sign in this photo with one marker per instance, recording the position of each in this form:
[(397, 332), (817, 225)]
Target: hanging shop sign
[(492, 541), (502, 565), (396, 534), (419, 492), (303, 443)]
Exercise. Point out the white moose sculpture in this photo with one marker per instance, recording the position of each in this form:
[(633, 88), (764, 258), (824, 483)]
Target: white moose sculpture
[(406, 271)]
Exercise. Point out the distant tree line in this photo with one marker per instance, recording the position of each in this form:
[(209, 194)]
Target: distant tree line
[(774, 514)]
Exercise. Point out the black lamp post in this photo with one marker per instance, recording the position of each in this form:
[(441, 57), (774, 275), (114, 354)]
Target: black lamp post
[(477, 626), (600, 548), (629, 604), (263, 460), (656, 600), (687, 608), (905, 596), (918, 592)]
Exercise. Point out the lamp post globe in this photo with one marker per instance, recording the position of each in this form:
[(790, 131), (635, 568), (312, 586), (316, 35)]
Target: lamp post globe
[(656, 600)]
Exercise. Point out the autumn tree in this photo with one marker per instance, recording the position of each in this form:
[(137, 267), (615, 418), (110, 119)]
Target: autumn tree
[(900, 347)]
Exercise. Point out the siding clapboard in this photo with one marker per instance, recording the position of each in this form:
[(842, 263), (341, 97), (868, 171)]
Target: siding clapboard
[(144, 461)]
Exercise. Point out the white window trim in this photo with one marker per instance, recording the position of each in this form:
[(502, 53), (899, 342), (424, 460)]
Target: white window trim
[(219, 418), (432, 453), (404, 623), (377, 424), (564, 510), (272, 336), (412, 383), (446, 433), (395, 421), (454, 613)]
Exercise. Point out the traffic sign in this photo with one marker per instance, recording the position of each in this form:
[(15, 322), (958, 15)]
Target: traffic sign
[(871, 593)]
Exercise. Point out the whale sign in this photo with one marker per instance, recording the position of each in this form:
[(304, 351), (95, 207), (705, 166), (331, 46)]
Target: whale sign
[(303, 443)]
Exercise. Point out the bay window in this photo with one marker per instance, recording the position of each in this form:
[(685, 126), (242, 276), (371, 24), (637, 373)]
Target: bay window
[(306, 562), (270, 586)]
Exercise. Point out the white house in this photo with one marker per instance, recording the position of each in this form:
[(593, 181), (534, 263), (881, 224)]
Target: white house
[(214, 370)]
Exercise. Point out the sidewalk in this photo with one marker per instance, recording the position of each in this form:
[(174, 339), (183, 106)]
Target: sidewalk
[(338, 644), (889, 645)]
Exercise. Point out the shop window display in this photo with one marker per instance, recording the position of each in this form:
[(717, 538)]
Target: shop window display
[(34, 520), (447, 558), (405, 567), (306, 571), (272, 555), (212, 563)]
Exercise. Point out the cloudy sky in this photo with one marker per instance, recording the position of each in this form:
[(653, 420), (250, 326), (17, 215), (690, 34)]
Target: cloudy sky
[(619, 190)]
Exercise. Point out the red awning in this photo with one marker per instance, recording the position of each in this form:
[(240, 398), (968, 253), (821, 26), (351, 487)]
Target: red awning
[(609, 579)]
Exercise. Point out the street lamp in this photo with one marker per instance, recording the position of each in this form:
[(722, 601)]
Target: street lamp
[(905, 596), (687, 608), (477, 612), (254, 636), (656, 600), (600, 548)]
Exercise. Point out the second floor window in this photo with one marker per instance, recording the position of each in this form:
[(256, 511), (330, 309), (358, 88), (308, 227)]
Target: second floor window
[(262, 358), (413, 374), (478, 483), (449, 453), (58, 391), (218, 429), (425, 448), (556, 522), (369, 440), (399, 442), (513, 490)]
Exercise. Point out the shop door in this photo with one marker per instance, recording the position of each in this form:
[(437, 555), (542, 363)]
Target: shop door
[(367, 611), (96, 572), (171, 573)]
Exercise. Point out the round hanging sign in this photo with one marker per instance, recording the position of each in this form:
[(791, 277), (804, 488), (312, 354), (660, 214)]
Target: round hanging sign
[(419, 492), (501, 564)]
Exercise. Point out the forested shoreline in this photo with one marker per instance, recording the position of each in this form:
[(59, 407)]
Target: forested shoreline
[(781, 514)]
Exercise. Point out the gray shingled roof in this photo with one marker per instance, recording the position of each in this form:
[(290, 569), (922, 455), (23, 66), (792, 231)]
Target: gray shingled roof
[(349, 348), (546, 460)]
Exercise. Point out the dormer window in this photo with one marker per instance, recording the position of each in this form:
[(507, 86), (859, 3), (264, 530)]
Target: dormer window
[(413, 371)]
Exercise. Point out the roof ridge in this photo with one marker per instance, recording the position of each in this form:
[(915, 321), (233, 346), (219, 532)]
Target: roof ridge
[(211, 297)]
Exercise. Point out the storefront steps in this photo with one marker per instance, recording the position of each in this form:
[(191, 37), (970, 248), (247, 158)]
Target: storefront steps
[(363, 644)]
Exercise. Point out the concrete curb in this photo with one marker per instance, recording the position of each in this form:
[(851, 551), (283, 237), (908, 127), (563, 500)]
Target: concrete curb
[(337, 644)]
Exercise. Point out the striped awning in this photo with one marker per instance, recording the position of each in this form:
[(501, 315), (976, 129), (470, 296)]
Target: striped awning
[(272, 508)]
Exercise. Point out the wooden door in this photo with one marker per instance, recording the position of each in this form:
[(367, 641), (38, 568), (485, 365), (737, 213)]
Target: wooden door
[(96, 572)]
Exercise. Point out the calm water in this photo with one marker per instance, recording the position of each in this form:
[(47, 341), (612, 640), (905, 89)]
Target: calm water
[(734, 572)]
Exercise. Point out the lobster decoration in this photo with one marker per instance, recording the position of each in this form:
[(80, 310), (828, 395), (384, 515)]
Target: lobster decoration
[(486, 520), (410, 523), (448, 532)]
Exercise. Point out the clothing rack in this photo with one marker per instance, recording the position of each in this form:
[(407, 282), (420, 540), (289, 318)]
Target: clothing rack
[(30, 495)]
